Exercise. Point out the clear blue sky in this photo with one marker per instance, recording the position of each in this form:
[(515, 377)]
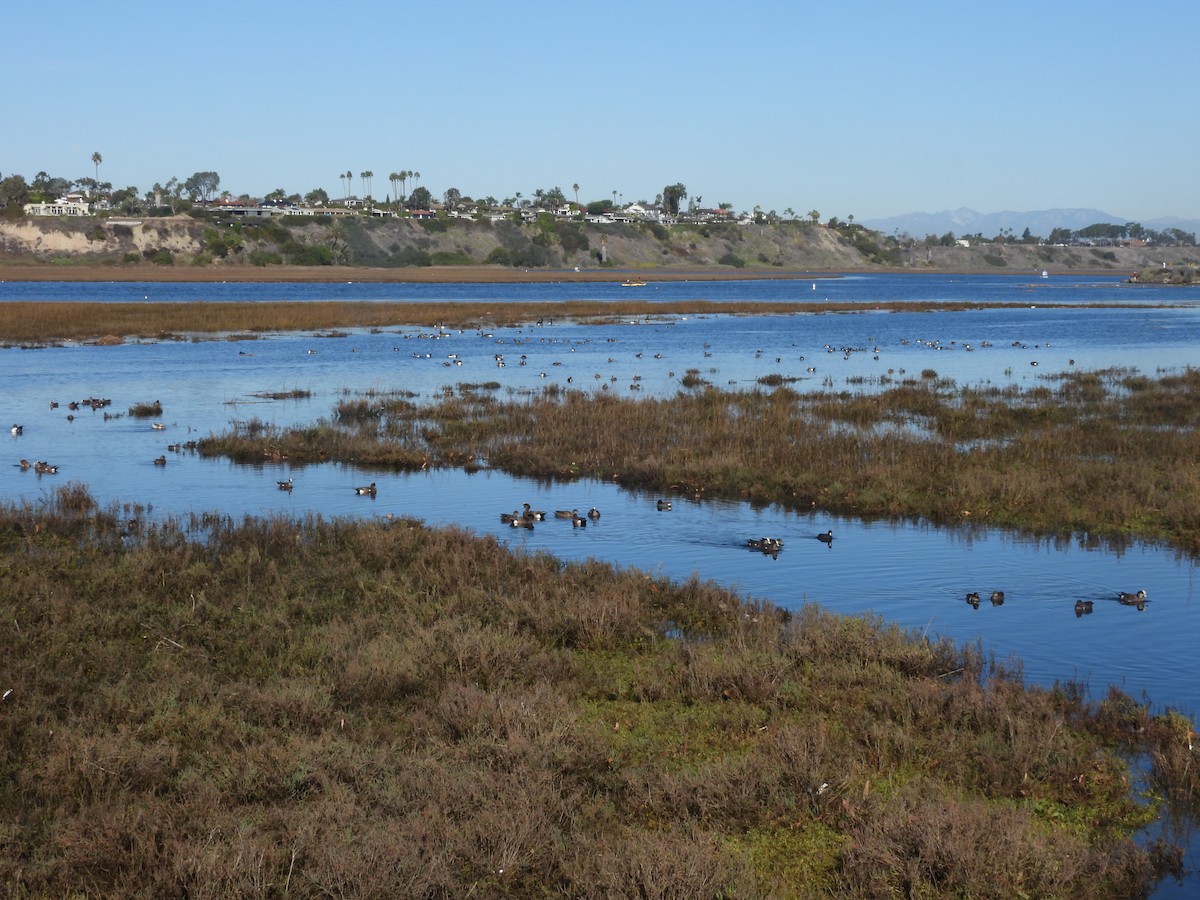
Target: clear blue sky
[(871, 108)]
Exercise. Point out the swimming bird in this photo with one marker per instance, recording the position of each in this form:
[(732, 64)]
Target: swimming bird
[(1138, 599), (17, 429), (663, 505), (593, 514), (158, 426), (366, 491), (1083, 608), (536, 515), (24, 464), (826, 538), (578, 521), (997, 598), (765, 545), (285, 485), (44, 468), (565, 513), (973, 599), (161, 461)]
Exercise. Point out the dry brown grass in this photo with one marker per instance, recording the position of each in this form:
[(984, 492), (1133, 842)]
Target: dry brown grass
[(312, 708)]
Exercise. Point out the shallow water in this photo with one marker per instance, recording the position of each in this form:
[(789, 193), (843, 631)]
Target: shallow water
[(910, 572)]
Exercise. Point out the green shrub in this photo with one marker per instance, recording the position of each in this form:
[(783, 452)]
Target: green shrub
[(310, 255), (265, 258), (498, 257), (732, 259), (450, 258)]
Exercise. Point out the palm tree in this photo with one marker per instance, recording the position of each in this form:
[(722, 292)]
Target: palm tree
[(614, 198), (349, 182), (814, 215), (575, 188), (403, 181), (366, 180), (394, 177), (96, 160), (416, 178), (342, 179)]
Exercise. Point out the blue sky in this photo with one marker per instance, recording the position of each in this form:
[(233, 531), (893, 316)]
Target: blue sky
[(868, 109)]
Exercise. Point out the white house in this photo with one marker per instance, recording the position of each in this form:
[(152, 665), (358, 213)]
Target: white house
[(70, 205)]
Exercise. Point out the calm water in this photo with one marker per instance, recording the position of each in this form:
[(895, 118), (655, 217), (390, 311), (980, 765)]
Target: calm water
[(910, 573)]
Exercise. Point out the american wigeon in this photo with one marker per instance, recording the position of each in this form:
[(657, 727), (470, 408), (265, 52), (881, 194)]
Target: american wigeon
[(17, 429), (1127, 599), (663, 505), (997, 598), (536, 515), (826, 538), (366, 490), (1083, 608), (593, 514), (285, 485), (973, 599), (161, 461), (565, 513)]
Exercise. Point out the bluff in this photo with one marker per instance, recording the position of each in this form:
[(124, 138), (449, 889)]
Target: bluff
[(206, 246)]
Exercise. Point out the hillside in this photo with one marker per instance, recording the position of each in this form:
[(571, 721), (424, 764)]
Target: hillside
[(189, 247)]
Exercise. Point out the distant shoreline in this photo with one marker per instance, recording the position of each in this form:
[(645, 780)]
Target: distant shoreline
[(409, 275), (445, 274)]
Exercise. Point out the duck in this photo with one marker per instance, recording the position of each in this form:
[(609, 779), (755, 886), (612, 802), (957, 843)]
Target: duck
[(997, 598), (578, 521), (160, 461), (593, 514), (17, 429), (565, 513), (366, 491), (44, 468), (1083, 608), (285, 485), (24, 464), (973, 599), (663, 505), (159, 426), (765, 544), (1127, 599), (536, 515), (826, 538)]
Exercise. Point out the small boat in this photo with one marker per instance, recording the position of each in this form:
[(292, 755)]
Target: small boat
[(633, 282), (1045, 274)]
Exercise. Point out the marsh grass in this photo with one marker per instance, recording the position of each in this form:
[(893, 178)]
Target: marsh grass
[(1111, 454), (273, 707)]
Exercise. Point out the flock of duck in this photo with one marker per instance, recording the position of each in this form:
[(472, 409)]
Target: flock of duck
[(1082, 607), (527, 516), (770, 546), (366, 490)]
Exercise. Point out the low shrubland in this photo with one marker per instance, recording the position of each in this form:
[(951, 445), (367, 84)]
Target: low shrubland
[(278, 707)]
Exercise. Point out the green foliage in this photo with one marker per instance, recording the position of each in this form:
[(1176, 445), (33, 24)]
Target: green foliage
[(310, 255), (264, 257), (436, 226), (732, 259), (654, 228), (450, 258), (162, 257), (572, 238), (499, 256), (412, 257)]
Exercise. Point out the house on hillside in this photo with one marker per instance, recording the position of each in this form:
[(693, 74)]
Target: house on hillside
[(70, 205)]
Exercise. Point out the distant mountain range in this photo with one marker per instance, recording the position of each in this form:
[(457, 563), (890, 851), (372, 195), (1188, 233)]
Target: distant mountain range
[(1039, 222)]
